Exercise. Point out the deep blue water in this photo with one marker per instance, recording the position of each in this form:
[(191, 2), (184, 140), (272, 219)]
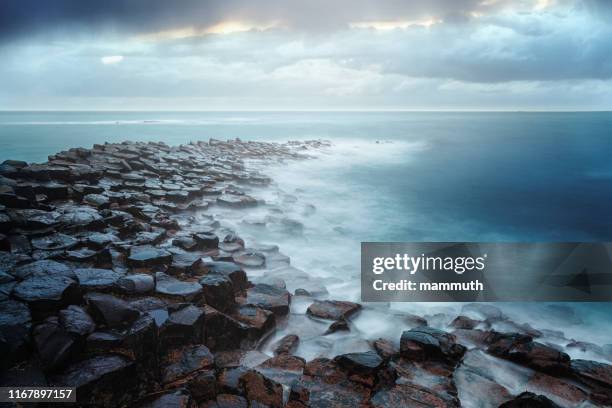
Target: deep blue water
[(476, 176)]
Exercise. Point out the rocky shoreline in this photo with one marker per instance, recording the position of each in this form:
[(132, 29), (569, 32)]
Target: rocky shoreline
[(116, 281)]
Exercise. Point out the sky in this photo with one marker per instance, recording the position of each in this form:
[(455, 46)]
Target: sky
[(306, 55)]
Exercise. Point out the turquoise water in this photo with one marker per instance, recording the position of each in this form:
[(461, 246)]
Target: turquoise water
[(471, 176)]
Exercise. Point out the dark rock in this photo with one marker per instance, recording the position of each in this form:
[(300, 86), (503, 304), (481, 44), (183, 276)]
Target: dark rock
[(172, 399), (385, 349), (53, 344), (258, 388), (206, 240), (463, 322), (367, 362), (410, 395), (81, 218), (224, 332), (260, 322), (106, 380), (85, 255), (339, 325), (75, 320), (184, 263), (218, 291), (43, 268), (332, 309), (111, 310), (593, 373), (168, 286), (229, 401), (15, 322), (231, 270), (31, 219), (203, 386), (184, 326), (269, 297), (54, 242), (46, 294), (97, 200), (136, 284), (93, 279), (286, 345), (99, 240), (427, 343), (186, 243), (529, 400), (148, 256), (187, 361), (521, 349), (5, 223)]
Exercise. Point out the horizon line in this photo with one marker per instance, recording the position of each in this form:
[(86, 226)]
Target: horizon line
[(323, 110)]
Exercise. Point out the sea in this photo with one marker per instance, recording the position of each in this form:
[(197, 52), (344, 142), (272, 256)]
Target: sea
[(390, 176)]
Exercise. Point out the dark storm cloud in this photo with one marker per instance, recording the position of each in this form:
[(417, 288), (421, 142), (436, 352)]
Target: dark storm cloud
[(23, 17)]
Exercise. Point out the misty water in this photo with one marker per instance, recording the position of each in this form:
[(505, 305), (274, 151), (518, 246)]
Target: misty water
[(388, 176)]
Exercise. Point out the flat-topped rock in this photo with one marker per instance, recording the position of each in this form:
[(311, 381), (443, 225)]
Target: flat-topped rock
[(218, 291), (148, 256), (45, 294), (172, 287), (333, 309), (111, 310), (93, 279), (43, 268), (136, 284), (54, 242), (189, 359), (269, 297)]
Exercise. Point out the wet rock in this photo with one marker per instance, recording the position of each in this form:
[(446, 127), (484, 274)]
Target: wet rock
[(218, 291), (148, 256), (31, 219), (410, 395), (286, 345), (53, 344), (269, 297), (106, 380), (285, 369), (206, 240), (333, 309), (54, 242), (172, 399), (250, 259), (97, 200), (46, 294), (427, 343), (231, 270), (168, 286), (385, 349), (187, 361), (183, 326), (136, 284), (111, 310), (463, 322), (259, 322), (560, 390), (236, 201), (100, 240), (184, 263), (203, 386), (596, 375), (75, 320), (94, 279), (224, 332), (339, 325), (44, 268), (228, 401), (81, 218), (186, 243), (5, 223), (15, 323), (521, 349), (366, 363), (529, 400), (258, 388)]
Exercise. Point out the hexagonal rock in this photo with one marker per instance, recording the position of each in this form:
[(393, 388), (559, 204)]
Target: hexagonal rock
[(364, 363), (106, 380), (411, 395), (75, 320), (54, 242), (186, 361), (97, 279), (111, 310), (54, 345), (231, 270), (172, 287), (186, 243), (260, 322), (42, 268), (332, 309), (258, 388), (218, 291), (224, 332), (147, 256), (46, 294), (183, 326), (427, 343), (206, 240), (136, 284), (250, 259), (184, 263), (269, 297)]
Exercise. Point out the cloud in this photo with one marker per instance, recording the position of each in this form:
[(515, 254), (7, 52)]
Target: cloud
[(111, 59)]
